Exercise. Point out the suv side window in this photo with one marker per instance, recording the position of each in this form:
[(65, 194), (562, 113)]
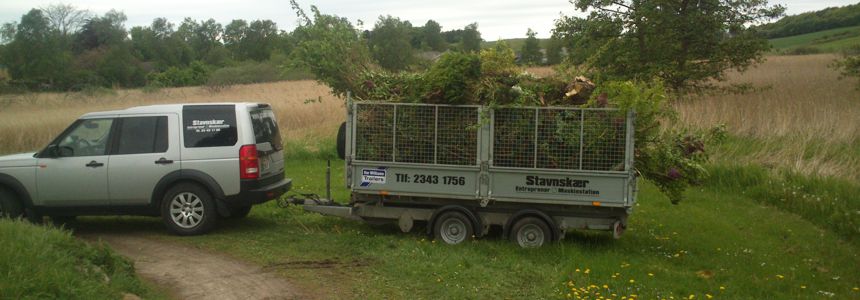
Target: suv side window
[(209, 126), (89, 138), (141, 135)]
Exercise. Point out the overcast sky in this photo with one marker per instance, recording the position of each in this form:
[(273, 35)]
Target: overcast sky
[(496, 19)]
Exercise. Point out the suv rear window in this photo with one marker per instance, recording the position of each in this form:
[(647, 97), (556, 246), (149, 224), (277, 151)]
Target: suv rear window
[(266, 129), (209, 125)]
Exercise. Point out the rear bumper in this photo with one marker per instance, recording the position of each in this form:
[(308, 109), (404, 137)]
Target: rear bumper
[(259, 191)]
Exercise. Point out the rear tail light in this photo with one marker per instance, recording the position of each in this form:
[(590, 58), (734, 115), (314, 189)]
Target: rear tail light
[(249, 164)]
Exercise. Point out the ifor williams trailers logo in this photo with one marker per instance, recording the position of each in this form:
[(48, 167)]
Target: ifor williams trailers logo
[(371, 176), (567, 185)]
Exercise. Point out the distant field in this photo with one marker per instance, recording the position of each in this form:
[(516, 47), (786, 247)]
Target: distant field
[(30, 121), (833, 40)]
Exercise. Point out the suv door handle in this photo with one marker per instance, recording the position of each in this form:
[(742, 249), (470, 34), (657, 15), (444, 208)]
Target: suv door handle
[(95, 164), (163, 161)]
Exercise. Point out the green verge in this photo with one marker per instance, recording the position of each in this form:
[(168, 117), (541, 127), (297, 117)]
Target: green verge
[(40, 262), (719, 242)]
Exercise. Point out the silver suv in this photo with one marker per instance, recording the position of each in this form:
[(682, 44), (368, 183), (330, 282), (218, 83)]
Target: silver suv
[(188, 163)]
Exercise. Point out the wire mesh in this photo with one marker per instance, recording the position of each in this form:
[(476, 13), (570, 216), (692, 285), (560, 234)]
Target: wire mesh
[(374, 132), (421, 134), (457, 136), (514, 137), (604, 135), (567, 139), (415, 134), (558, 138)]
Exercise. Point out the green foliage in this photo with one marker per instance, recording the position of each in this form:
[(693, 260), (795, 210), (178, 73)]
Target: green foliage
[(832, 40), (553, 51), (40, 262), (451, 79), (808, 22), (471, 38), (431, 36), (671, 159), (195, 74), (36, 57), (848, 66), (332, 49), (530, 53), (499, 61), (687, 44), (390, 43), (249, 72)]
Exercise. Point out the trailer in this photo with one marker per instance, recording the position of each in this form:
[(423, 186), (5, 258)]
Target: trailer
[(536, 172)]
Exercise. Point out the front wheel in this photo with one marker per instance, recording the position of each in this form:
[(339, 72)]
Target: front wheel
[(531, 232), (453, 228), (10, 207), (188, 209)]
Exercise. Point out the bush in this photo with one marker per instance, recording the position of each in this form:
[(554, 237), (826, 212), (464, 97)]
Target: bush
[(246, 73), (195, 74)]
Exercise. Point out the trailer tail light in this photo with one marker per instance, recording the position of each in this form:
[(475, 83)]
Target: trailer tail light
[(249, 164)]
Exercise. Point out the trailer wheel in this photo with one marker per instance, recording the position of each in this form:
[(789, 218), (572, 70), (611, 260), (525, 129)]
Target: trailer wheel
[(531, 232), (453, 228)]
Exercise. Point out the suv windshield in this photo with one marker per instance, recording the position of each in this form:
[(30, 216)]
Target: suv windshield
[(266, 129)]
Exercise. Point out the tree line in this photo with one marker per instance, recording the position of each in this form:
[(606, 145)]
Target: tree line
[(828, 18), (60, 47)]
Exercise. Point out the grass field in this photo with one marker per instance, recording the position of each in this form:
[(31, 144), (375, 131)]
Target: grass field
[(39, 262), (833, 40)]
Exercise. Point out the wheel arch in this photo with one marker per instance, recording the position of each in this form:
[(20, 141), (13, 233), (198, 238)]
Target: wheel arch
[(556, 232), (473, 217), (192, 176), (15, 186)]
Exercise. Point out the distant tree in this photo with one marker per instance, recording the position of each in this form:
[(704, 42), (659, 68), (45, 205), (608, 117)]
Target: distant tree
[(158, 43), (7, 32), (686, 43), (234, 34), (553, 51), (431, 36), (100, 31), (471, 38), (260, 39), (202, 36), (65, 18), (530, 53), (390, 43), (35, 55)]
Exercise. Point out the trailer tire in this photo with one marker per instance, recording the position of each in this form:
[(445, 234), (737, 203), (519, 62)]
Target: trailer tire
[(531, 232), (453, 227), (341, 141)]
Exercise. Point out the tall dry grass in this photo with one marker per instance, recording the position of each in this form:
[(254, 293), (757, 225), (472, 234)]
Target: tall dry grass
[(802, 118), (28, 122)]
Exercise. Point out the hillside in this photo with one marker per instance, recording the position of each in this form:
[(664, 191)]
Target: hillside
[(809, 22), (832, 40)]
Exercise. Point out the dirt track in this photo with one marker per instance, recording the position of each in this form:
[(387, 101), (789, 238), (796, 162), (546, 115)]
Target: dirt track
[(190, 273)]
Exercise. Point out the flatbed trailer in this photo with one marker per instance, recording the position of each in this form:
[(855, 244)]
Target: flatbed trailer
[(536, 172)]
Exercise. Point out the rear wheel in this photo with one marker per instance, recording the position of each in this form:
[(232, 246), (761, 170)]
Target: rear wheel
[(531, 232), (453, 228), (10, 205), (188, 209)]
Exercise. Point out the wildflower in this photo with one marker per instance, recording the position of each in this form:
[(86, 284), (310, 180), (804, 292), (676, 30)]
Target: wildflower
[(570, 283), (722, 288), (569, 296), (577, 270), (803, 286), (587, 271), (632, 281), (779, 276), (651, 274), (691, 297), (856, 289), (709, 296), (605, 286)]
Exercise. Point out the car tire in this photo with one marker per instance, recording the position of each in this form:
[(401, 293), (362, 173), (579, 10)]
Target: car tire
[(341, 141), (188, 209), (240, 212), (453, 227), (531, 232), (10, 205)]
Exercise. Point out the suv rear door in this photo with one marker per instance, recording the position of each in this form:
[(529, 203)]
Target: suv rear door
[(270, 146), (145, 149)]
